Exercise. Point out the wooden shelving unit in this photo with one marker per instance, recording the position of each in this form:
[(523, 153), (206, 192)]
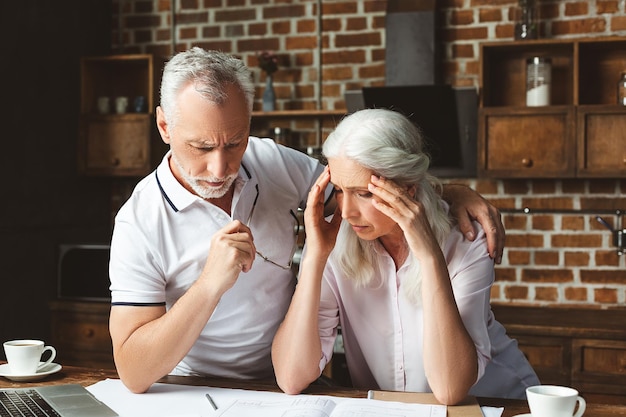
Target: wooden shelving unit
[(580, 134)]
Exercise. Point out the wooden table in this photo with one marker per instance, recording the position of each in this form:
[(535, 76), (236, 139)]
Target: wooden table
[(87, 376)]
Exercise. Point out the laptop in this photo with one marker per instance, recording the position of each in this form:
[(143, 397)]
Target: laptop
[(69, 400)]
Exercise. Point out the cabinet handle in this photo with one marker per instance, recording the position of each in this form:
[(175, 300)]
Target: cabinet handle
[(527, 162), (115, 162), (89, 332)]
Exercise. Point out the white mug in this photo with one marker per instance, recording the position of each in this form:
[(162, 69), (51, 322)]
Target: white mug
[(554, 401), (103, 105), (24, 356), (121, 105)]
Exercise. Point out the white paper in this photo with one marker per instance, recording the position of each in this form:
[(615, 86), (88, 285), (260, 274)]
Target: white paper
[(171, 400)]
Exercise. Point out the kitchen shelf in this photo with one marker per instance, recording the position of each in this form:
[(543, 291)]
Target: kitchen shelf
[(578, 135)]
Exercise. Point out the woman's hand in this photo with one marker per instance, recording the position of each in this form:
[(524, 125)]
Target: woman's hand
[(320, 234), (399, 204)]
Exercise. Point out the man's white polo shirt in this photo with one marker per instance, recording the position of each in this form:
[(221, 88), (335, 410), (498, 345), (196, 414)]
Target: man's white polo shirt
[(162, 237)]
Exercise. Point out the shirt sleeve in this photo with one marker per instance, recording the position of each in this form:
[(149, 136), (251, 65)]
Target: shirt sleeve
[(472, 275), (328, 317)]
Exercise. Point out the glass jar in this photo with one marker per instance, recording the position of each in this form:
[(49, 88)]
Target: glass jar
[(538, 79), (621, 90), (526, 24)]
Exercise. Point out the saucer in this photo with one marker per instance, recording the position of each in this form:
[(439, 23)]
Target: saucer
[(49, 369)]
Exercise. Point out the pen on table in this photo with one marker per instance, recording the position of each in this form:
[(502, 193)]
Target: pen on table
[(208, 397)]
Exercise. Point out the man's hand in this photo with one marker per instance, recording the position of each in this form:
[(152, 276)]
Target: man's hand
[(467, 205)]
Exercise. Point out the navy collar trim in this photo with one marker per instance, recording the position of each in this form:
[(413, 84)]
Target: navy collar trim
[(170, 201), (164, 194)]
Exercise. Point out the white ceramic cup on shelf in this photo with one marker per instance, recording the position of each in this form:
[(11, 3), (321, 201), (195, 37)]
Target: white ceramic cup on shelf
[(104, 105), (554, 401), (121, 105), (24, 356)]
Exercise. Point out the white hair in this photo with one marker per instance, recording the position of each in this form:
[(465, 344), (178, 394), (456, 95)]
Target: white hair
[(389, 144)]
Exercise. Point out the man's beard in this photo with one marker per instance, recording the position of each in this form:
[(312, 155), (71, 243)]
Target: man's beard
[(199, 184)]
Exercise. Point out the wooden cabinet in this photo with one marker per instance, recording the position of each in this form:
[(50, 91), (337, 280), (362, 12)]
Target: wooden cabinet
[(112, 144), (582, 348), (580, 134), (80, 333)]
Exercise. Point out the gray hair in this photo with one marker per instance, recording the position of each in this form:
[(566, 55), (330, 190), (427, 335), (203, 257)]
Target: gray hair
[(390, 145), (210, 72)]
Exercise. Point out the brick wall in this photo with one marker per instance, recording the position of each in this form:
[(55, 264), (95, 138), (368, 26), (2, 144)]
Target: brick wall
[(558, 254)]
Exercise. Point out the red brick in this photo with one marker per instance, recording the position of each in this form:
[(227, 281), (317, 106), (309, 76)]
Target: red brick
[(505, 31), (489, 14), (547, 258), (463, 50), (339, 7), (517, 257), (188, 4), (515, 222), (526, 240), (576, 9), (284, 11), (484, 186), (337, 73), (332, 24), (516, 292), (576, 258), (546, 294), (550, 203), (211, 32), (281, 27), (618, 23), (256, 45), (573, 223), (578, 240), (595, 276), (607, 258), (504, 274), (344, 56), (547, 275), (576, 294), (257, 29), (361, 39), (516, 186), (567, 27), (461, 17), (542, 222), (358, 23), (306, 25), (238, 15), (603, 7), (450, 35), (605, 295), (187, 33)]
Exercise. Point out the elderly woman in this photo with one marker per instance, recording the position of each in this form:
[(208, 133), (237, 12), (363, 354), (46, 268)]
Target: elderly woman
[(410, 293)]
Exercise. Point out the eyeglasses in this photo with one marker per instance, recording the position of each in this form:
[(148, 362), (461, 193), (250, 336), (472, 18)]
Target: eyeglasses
[(296, 230)]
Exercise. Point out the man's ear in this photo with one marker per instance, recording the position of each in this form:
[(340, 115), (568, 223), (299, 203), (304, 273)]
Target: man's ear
[(162, 125)]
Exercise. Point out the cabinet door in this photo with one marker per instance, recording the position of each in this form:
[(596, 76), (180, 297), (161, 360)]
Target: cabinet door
[(601, 141), (527, 143), (549, 356), (115, 145), (599, 366)]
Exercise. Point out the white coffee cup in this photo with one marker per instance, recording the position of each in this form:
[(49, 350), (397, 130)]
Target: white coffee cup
[(554, 401), (104, 105), (24, 356), (121, 105)]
